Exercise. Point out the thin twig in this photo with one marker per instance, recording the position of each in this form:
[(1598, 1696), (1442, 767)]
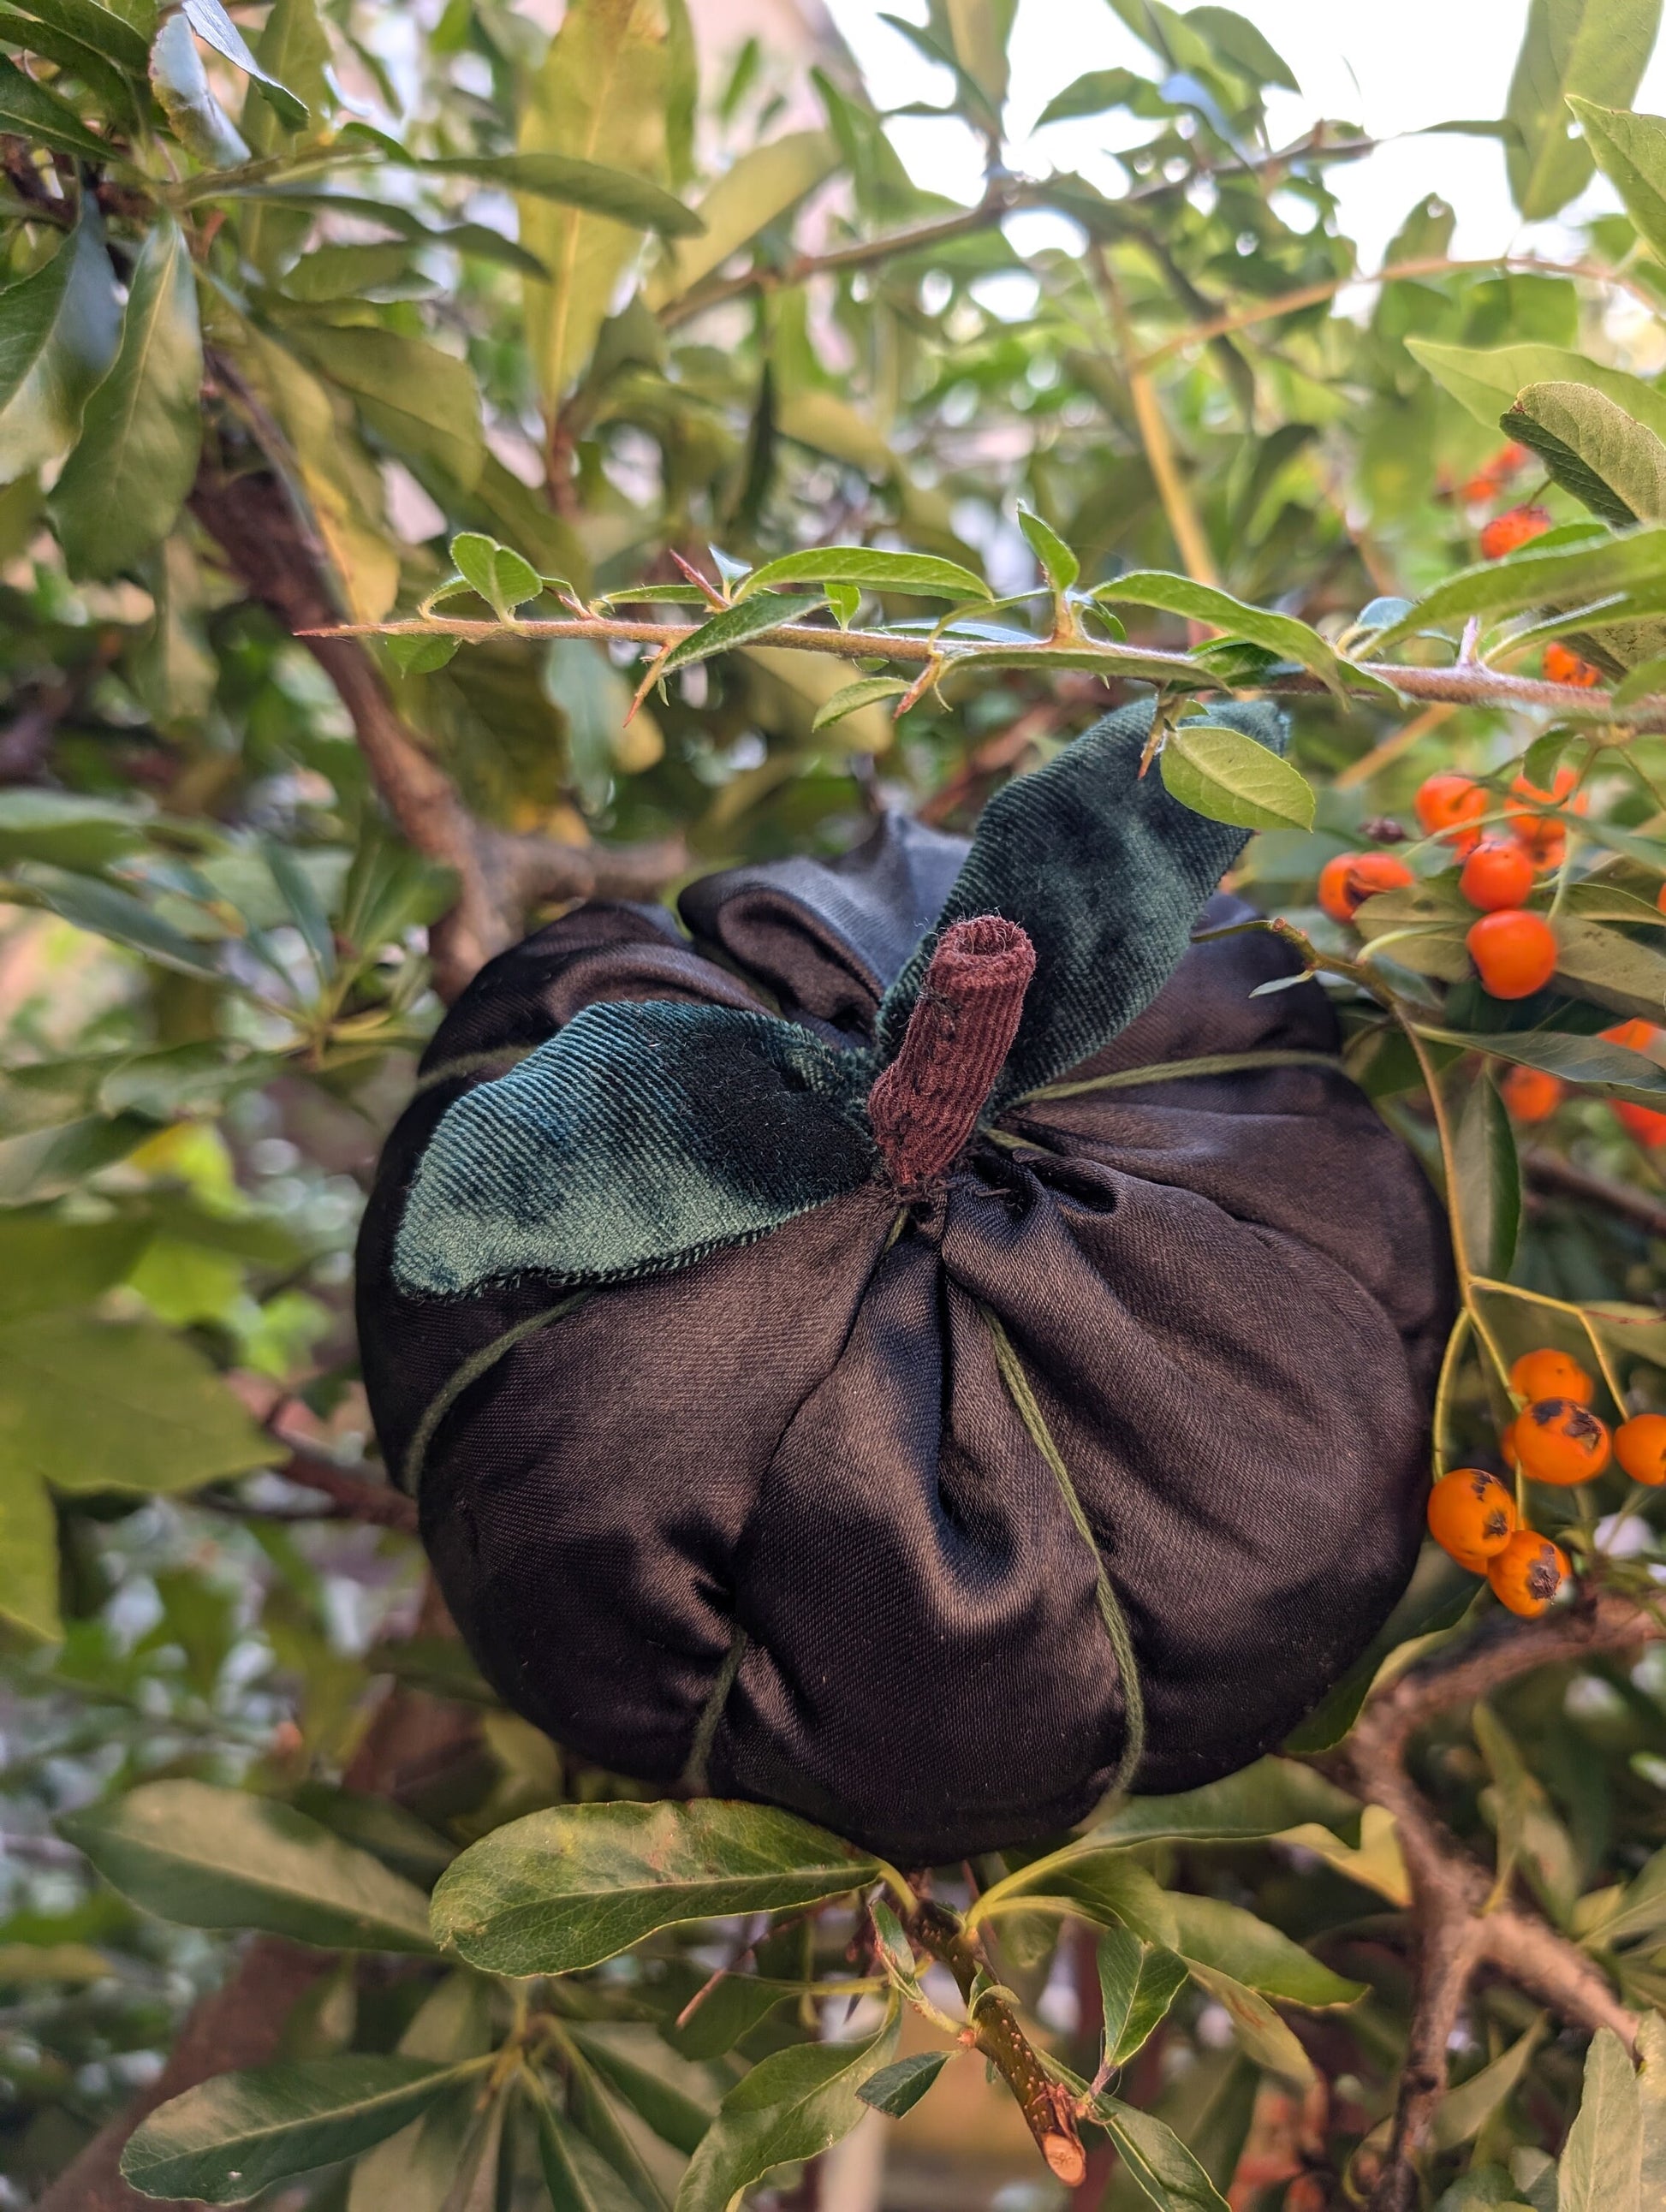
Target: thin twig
[(1559, 1178)]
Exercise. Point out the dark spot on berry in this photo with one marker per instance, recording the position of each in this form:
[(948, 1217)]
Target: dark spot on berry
[(1497, 1523), (1543, 1578)]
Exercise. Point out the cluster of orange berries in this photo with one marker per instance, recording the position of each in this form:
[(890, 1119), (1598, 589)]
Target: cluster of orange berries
[(1555, 1439), (1514, 951)]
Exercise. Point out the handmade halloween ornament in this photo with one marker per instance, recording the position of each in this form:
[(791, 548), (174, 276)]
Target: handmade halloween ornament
[(925, 1347)]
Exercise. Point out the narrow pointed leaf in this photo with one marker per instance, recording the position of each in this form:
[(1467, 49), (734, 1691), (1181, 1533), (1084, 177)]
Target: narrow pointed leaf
[(1167, 2171), (1281, 634), (1600, 2167), (124, 484), (578, 2177), (59, 330), (1138, 1982), (570, 182), (1059, 564), (1489, 1180), (236, 2135), (215, 28), (101, 29), (1564, 576), (866, 691), (34, 113), (211, 1858), (1609, 461), (793, 2105), (1611, 1070), (869, 566), (898, 2088), (748, 618)]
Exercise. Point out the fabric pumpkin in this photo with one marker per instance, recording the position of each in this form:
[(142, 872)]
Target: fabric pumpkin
[(842, 1367)]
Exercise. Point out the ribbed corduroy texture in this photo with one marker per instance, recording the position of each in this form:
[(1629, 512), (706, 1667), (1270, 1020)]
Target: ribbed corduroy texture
[(924, 1107)]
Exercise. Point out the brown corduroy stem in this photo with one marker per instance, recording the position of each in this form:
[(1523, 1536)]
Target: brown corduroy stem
[(925, 1106)]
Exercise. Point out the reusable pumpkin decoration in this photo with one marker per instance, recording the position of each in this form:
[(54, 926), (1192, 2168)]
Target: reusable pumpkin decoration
[(924, 1347)]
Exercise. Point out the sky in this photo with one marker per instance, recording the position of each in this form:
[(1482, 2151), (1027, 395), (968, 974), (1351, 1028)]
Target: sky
[(1394, 70)]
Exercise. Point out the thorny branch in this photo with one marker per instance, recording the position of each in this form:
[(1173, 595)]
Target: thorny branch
[(1460, 1928), (1474, 683)]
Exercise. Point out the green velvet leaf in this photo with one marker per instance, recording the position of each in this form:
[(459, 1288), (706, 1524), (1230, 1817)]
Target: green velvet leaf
[(639, 1138), (1107, 872)]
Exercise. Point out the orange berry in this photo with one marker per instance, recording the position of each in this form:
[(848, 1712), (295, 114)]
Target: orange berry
[(1562, 665), (1532, 1094), (1640, 1446), (1549, 1374), (1646, 1123), (1528, 1573), (1471, 1516), (1635, 1035), (1448, 806), (1542, 836), (1660, 898), (1516, 526), (1347, 882), (1559, 1442), (1514, 952), (1497, 874)]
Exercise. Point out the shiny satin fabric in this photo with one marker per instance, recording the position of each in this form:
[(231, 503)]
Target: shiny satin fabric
[(1229, 1293)]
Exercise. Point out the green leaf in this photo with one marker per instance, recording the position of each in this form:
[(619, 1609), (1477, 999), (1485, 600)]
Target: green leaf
[(635, 202), (59, 334), (603, 88), (574, 1884), (93, 1405), (112, 90), (186, 98), (503, 578), (1226, 776), (1652, 2093), (675, 2118), (109, 911), (237, 2134), (1485, 380), (420, 656), (423, 403), (101, 29), (1631, 152), (31, 112), (209, 1858), (47, 1262), (1167, 2171), (1594, 449), (1564, 576), (1602, 2165), (578, 2177), (1281, 634), (1237, 41), (1464, 2110), (748, 618), (793, 2105), (1092, 94), (215, 28), (1609, 968), (1598, 49), (1138, 1982), (46, 1163), (866, 691), (417, 2169), (1209, 1932), (758, 189), (1612, 1070), (1263, 1800), (868, 566), (29, 1557), (124, 484), (898, 2088), (1059, 564), (1646, 681), (1264, 2038), (1489, 1180)]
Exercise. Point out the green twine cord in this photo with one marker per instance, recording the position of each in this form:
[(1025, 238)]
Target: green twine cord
[(1172, 1071), (476, 1365), (1110, 1611), (711, 1713)]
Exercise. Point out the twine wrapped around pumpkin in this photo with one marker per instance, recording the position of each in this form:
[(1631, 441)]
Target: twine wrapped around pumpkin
[(953, 1348)]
